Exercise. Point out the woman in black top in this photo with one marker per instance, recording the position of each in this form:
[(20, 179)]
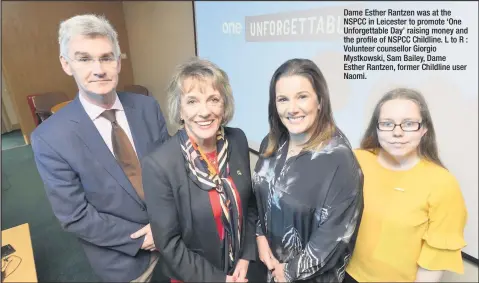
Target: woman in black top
[(197, 184), (307, 182)]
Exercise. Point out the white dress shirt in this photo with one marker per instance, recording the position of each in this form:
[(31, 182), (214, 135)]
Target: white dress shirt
[(103, 125)]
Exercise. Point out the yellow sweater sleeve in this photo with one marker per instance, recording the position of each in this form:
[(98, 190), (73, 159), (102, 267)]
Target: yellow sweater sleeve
[(444, 238)]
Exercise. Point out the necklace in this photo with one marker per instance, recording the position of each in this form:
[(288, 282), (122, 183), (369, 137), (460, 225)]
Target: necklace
[(294, 151)]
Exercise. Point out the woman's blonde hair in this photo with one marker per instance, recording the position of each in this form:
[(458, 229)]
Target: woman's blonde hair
[(200, 70)]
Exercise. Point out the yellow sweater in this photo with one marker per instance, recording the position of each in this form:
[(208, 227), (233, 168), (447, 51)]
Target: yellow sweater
[(411, 218)]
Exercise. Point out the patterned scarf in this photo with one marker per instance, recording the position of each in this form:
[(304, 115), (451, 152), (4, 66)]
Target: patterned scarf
[(207, 178)]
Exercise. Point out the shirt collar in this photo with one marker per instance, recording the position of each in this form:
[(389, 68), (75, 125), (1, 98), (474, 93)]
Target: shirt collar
[(94, 111)]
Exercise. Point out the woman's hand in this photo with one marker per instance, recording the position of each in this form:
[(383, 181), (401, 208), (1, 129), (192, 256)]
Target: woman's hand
[(265, 254), (241, 270), (278, 273)]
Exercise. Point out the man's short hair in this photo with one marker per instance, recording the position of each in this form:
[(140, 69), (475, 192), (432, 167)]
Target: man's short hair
[(87, 25)]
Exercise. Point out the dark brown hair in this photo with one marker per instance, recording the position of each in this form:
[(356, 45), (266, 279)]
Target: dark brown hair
[(324, 126), (427, 148)]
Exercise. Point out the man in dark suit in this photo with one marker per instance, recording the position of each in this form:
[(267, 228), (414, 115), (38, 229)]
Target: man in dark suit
[(88, 155)]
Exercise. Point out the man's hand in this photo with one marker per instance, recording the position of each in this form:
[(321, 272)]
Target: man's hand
[(265, 254), (241, 270), (148, 243), (278, 273)]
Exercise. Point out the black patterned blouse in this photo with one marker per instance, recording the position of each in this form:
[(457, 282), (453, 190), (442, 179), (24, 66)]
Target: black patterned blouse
[(310, 208)]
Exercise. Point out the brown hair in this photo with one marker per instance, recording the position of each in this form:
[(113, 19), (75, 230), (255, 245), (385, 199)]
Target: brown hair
[(324, 126), (427, 148)]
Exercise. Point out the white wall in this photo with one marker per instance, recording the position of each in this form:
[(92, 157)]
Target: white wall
[(470, 270)]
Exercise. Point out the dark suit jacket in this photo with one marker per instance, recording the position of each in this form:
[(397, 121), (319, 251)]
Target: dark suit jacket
[(181, 216), (89, 192)]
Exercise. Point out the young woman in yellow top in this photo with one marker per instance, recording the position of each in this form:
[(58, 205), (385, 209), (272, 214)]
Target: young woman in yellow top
[(412, 228)]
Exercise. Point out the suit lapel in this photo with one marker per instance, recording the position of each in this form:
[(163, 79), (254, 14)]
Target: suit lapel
[(203, 199), (89, 134), (236, 166)]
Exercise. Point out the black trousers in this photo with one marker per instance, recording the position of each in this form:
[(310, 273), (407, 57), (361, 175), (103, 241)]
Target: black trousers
[(349, 279)]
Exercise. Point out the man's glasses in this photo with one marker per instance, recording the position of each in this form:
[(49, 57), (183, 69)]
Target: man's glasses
[(87, 62), (408, 126)]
